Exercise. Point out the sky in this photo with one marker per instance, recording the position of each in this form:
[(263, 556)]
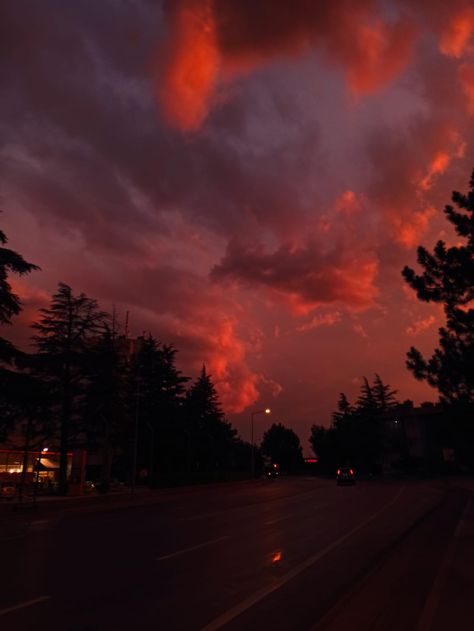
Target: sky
[(245, 179)]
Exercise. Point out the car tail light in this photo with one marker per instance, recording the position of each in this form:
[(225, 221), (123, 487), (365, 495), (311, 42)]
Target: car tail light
[(351, 472), (338, 472)]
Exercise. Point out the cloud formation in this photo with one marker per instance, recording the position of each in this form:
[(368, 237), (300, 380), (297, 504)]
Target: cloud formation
[(245, 178), (211, 42)]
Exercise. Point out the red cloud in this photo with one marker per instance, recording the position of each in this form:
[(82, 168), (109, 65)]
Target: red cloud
[(420, 326), (466, 78), (455, 37), (190, 65), (209, 42), (305, 277)]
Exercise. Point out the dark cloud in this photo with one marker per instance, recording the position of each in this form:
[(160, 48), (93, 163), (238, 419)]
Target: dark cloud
[(299, 153)]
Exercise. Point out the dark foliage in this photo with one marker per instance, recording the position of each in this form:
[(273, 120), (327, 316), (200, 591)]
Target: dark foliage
[(211, 440), (66, 333), (283, 447), (448, 278), (356, 436)]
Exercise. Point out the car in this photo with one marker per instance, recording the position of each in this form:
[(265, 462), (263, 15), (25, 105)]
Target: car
[(272, 471), (345, 475)]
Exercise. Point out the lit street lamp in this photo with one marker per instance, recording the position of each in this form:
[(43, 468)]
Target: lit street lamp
[(252, 462)]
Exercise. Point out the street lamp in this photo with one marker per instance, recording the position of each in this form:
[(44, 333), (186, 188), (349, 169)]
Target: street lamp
[(252, 462)]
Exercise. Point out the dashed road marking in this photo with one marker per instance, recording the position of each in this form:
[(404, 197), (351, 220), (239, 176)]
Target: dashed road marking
[(197, 547), (27, 603)]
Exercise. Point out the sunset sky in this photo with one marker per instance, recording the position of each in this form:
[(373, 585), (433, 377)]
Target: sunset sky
[(246, 177)]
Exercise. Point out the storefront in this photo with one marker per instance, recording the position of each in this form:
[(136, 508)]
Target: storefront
[(42, 468)]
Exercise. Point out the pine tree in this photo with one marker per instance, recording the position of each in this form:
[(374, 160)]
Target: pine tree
[(105, 406), (211, 438), (385, 398), (344, 410), (12, 383), (448, 279), (366, 403), (161, 388), (66, 332), (10, 262)]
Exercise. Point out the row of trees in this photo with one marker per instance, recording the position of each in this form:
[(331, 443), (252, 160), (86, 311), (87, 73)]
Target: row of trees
[(82, 387), (356, 434)]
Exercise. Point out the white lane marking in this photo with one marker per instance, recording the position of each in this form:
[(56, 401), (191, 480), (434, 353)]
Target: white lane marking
[(200, 545), (249, 602), (426, 618), (27, 603)]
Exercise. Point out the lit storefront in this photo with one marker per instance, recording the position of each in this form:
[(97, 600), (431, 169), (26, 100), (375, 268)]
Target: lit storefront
[(42, 467)]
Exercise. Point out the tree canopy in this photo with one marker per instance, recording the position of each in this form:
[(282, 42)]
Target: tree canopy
[(448, 279), (10, 263), (282, 445)]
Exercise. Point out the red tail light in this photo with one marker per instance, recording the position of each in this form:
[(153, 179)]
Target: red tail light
[(351, 472), (338, 472)]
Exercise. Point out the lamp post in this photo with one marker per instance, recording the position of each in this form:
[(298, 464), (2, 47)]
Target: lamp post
[(252, 461)]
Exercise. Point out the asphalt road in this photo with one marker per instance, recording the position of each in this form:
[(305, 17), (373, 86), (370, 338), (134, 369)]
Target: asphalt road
[(294, 554)]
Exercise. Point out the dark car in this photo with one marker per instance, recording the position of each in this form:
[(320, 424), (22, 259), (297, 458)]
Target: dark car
[(272, 471), (345, 475)]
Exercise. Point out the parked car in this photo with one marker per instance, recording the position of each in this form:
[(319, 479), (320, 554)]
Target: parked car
[(345, 475), (7, 491)]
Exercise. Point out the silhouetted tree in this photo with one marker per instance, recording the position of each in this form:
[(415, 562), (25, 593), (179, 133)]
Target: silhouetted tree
[(10, 262), (211, 438), (385, 398), (344, 411), (66, 332), (160, 387), (366, 403), (12, 384), (325, 443), (105, 412), (448, 279), (282, 445)]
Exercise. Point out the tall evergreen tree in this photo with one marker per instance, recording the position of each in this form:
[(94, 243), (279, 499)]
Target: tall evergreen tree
[(10, 262), (211, 438), (105, 405), (385, 398), (448, 279), (366, 403), (12, 386), (344, 410), (160, 388), (65, 334)]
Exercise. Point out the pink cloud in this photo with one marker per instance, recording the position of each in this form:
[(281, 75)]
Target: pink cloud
[(420, 326), (209, 43)]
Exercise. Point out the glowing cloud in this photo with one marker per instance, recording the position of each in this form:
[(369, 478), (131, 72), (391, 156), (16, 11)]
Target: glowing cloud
[(466, 78), (209, 42), (454, 40), (323, 319), (420, 326), (191, 64)]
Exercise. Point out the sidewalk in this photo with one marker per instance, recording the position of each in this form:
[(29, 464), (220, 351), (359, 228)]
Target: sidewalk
[(113, 499)]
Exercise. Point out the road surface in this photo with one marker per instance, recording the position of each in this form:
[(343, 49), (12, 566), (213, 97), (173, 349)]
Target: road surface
[(293, 554)]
